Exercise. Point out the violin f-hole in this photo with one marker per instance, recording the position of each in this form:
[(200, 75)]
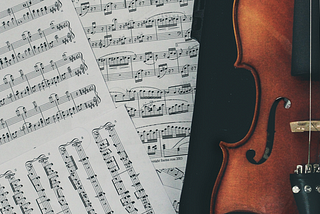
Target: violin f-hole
[(270, 132)]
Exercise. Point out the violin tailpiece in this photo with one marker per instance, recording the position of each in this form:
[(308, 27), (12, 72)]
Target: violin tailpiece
[(305, 184)]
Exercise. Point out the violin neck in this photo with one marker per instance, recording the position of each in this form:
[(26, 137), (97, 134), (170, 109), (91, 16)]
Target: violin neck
[(306, 54)]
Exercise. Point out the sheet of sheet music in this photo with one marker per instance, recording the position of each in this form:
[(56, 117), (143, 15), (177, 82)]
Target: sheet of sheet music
[(98, 167), (144, 50), (50, 81)]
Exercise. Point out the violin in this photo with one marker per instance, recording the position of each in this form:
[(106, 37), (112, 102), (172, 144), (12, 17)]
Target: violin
[(274, 169)]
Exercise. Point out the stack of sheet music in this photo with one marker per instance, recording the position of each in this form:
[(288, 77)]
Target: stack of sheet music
[(96, 105)]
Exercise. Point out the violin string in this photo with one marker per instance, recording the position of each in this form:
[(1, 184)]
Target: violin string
[(310, 84)]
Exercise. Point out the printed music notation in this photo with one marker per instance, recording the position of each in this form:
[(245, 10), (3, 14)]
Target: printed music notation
[(50, 75), (25, 12), (144, 50), (160, 21), (159, 27), (172, 180), (92, 169), (61, 107), (25, 48), (16, 189), (147, 93), (108, 40), (47, 78), (141, 74), (146, 102), (176, 173), (113, 60), (43, 201), (167, 142), (75, 180), (114, 168), (138, 67), (154, 110), (130, 5)]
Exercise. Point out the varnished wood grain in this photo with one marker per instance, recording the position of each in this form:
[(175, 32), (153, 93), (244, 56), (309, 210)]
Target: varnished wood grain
[(263, 32)]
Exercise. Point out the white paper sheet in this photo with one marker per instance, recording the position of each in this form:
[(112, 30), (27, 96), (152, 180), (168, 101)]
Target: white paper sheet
[(50, 79), (149, 62), (98, 167)]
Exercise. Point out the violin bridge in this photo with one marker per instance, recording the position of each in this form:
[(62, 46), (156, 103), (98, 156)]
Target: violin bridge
[(304, 126), (308, 169)]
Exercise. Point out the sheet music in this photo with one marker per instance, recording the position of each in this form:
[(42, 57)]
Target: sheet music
[(172, 181), (50, 81), (144, 51), (98, 167)]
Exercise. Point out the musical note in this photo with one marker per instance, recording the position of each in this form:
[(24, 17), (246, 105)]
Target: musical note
[(175, 205), (183, 3), (108, 8), (162, 70), (93, 28), (174, 172), (132, 7)]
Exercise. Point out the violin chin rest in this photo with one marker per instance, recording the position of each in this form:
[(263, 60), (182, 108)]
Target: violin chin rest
[(306, 191)]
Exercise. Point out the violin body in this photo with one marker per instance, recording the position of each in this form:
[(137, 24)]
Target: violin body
[(263, 31)]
